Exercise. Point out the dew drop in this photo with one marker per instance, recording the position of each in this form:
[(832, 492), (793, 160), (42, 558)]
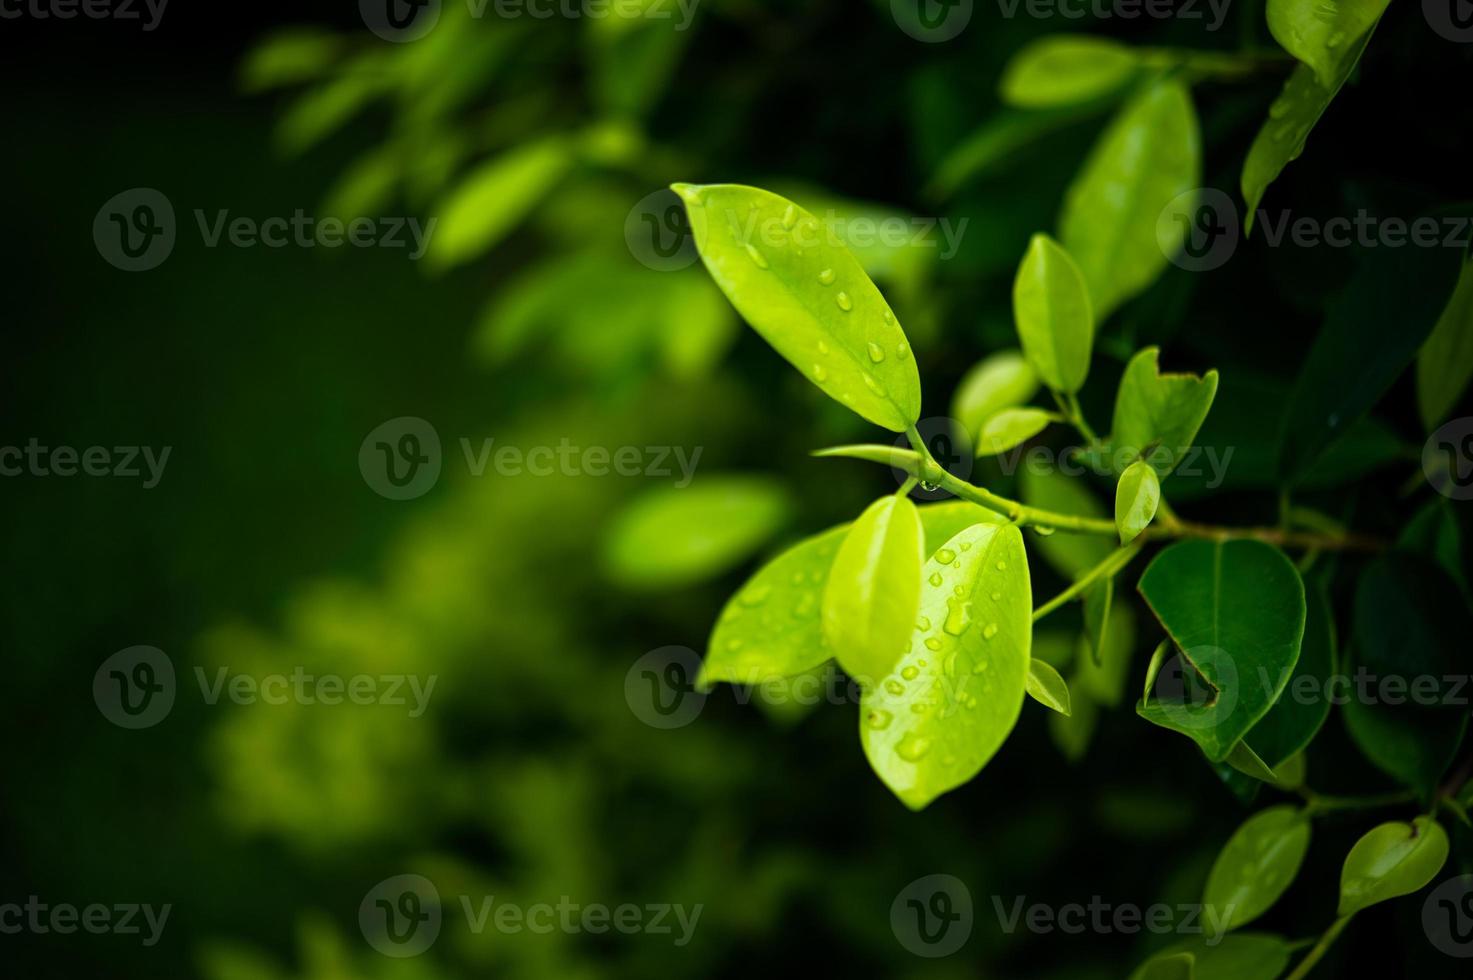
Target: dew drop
[(997, 597), (878, 718), (902, 350), (876, 352), (756, 595), (873, 385), (924, 624), (910, 673), (790, 217), (826, 277), (946, 556), (935, 579), (823, 347), (1279, 109), (932, 643), (958, 616), (733, 644), (889, 317), (966, 546), (989, 631), (820, 373), (845, 303), (758, 259), (913, 747), (1002, 565), (895, 687), (1042, 531)]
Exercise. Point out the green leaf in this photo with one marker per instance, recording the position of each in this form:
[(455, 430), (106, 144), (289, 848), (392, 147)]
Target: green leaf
[(1045, 686), (1290, 119), (677, 535), (1150, 154), (1323, 33), (1137, 496), (1257, 865), (1235, 611), (1243, 759), (808, 297), (1099, 599), (1011, 427), (1157, 415), (495, 197), (1391, 860), (1102, 674), (329, 105), (874, 589), (290, 57), (946, 519), (771, 627), (1071, 555), (1002, 380), (1434, 532), (1067, 69), (1052, 310), (1238, 956), (1295, 717), (954, 697), (1409, 635), (1445, 362), (906, 460), (1168, 966), (1355, 360)]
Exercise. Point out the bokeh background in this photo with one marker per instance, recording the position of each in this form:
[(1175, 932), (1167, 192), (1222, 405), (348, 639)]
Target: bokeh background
[(264, 548)]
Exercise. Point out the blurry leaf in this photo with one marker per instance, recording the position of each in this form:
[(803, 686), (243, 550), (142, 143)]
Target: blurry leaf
[(771, 627), (1067, 69), (1104, 660), (365, 187), (946, 519), (808, 297), (1299, 714), (954, 697), (998, 144), (1045, 686), (1391, 860), (1355, 358), (325, 108), (1011, 427), (1098, 600), (1073, 732), (1052, 310), (1367, 446), (674, 536), (1150, 154), (1445, 362), (1290, 119), (1323, 33), (1137, 496), (1410, 638), (1257, 865), (1071, 555), (1434, 532), (1237, 956), (1167, 966), (1002, 380), (874, 588), (1157, 415), (495, 197), (1235, 611), (631, 61), (289, 58)]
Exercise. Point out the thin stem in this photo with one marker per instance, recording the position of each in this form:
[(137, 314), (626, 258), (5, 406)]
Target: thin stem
[(1327, 939), (1112, 564), (1322, 804)]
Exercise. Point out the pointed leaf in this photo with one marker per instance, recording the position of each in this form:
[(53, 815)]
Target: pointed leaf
[(1243, 759), (1052, 310), (1099, 599), (1067, 69), (1157, 415), (1323, 33), (808, 297), (874, 589), (1011, 427), (1045, 686), (1295, 718), (494, 198), (954, 697), (1168, 966), (1137, 496), (1257, 865), (1391, 860)]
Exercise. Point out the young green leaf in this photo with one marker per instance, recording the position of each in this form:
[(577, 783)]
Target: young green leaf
[(874, 589), (1167, 966), (771, 627), (1052, 310), (808, 297), (1067, 69), (1137, 496), (1011, 427), (1257, 865), (1243, 759), (1320, 33), (677, 535), (1235, 611), (1157, 415), (1238, 956), (1445, 362), (954, 697), (494, 198), (1003, 380), (1045, 686), (1391, 860), (1099, 600), (1150, 154)]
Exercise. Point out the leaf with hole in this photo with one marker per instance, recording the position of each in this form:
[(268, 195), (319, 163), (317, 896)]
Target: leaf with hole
[(1391, 860), (1157, 415)]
